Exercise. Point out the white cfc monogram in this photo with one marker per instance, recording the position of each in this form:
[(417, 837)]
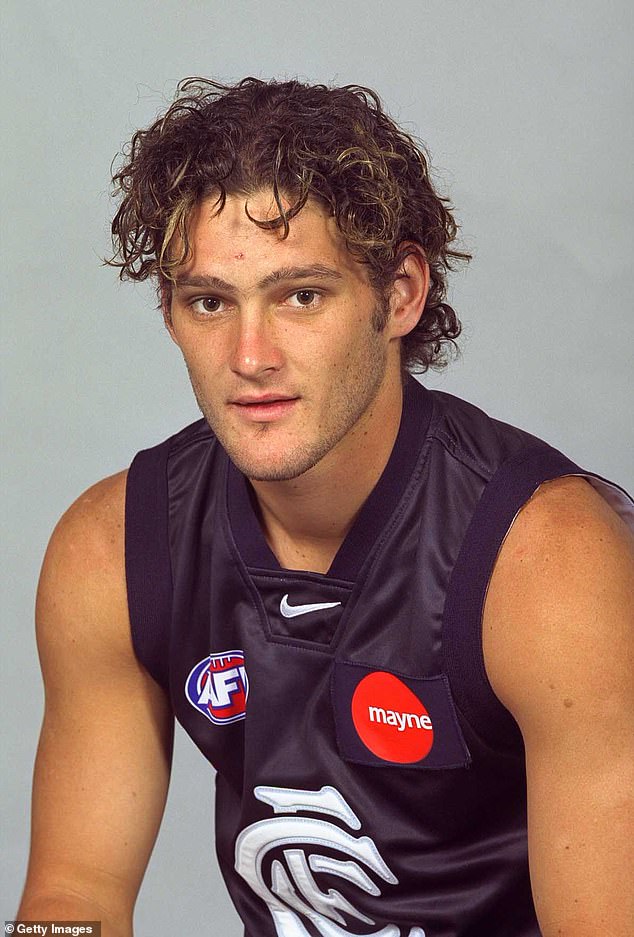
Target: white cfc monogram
[(293, 894)]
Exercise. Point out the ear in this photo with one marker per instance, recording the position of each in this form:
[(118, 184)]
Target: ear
[(409, 290), (165, 293)]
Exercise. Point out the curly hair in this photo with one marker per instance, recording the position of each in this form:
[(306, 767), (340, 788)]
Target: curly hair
[(336, 145)]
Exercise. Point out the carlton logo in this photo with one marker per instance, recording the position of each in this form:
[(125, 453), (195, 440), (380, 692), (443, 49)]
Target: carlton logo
[(390, 719), (218, 687)]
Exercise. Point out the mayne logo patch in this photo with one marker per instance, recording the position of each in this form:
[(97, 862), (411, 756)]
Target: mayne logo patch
[(218, 687), (390, 719), (385, 718)]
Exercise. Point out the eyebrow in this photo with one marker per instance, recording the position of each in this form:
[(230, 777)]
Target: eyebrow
[(208, 282)]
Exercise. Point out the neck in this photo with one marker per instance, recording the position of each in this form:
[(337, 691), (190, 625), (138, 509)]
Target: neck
[(306, 519)]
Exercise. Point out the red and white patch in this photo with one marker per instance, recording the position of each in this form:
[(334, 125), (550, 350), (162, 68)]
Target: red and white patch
[(218, 687), (390, 719)]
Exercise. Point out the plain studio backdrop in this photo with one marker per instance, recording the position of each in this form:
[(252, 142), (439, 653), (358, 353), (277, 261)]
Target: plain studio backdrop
[(526, 109)]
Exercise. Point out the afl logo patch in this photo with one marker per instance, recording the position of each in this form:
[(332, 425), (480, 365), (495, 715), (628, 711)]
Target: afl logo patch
[(218, 687), (391, 720)]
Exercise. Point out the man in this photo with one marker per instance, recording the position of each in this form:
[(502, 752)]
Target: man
[(397, 628)]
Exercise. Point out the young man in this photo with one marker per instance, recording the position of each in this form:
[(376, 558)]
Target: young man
[(397, 628)]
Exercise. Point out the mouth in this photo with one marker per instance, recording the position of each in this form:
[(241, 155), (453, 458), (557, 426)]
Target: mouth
[(263, 408)]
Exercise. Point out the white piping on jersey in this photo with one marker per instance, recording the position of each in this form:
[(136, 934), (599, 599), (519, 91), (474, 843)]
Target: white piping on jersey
[(326, 800), (293, 894)]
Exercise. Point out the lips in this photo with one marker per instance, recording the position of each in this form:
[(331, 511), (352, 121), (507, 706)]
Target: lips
[(255, 399), (263, 407)]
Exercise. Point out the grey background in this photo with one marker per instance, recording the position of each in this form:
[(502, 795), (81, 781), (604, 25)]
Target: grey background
[(526, 109)]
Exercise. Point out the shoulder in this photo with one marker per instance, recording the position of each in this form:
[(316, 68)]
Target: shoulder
[(563, 531), (558, 609), (91, 532), (82, 589), (98, 508)]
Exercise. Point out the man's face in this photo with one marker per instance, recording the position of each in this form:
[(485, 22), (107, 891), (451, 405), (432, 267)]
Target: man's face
[(278, 337)]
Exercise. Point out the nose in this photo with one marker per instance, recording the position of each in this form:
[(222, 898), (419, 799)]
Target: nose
[(256, 350)]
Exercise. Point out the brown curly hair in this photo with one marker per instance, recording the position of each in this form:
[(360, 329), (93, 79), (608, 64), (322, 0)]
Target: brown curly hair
[(333, 144)]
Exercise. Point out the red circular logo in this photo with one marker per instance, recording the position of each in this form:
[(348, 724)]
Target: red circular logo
[(390, 719)]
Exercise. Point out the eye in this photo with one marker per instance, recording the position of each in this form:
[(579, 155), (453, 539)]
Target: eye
[(207, 306), (304, 298)]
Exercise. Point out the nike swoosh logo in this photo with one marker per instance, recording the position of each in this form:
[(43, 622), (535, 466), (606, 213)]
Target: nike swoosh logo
[(292, 611)]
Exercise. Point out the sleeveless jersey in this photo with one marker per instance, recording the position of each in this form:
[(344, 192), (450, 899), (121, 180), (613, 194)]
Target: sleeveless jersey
[(369, 782)]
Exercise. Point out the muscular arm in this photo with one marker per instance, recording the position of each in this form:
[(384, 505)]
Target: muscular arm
[(102, 766), (559, 649)]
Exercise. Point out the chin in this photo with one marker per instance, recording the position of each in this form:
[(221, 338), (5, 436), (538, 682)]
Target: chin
[(281, 474), (282, 471), (278, 467)]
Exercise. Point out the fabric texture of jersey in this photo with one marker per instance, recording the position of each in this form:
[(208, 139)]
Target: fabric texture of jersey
[(368, 782)]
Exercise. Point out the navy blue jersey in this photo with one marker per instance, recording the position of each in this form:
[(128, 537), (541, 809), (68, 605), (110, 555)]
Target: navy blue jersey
[(369, 782)]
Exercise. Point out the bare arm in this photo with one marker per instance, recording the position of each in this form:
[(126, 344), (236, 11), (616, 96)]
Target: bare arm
[(102, 766), (559, 650)]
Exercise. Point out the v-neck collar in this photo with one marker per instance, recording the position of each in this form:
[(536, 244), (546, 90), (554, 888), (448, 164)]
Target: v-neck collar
[(371, 519)]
